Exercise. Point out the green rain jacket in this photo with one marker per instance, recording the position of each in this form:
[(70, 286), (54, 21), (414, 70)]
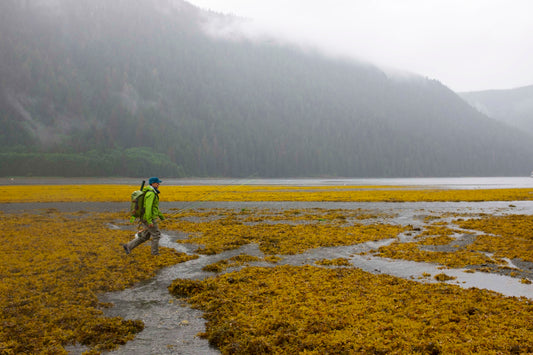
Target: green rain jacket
[(151, 205)]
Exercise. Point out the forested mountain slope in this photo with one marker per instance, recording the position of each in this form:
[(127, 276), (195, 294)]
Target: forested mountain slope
[(97, 87), (513, 106)]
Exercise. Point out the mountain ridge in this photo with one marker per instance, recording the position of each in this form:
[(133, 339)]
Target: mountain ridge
[(512, 106), (142, 90)]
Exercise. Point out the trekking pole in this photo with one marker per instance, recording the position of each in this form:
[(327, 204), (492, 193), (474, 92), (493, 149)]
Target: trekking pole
[(216, 192)]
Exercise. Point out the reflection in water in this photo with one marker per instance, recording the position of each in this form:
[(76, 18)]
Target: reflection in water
[(171, 326)]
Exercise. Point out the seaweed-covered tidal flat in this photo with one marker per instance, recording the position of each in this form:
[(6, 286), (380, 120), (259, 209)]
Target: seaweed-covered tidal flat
[(268, 269)]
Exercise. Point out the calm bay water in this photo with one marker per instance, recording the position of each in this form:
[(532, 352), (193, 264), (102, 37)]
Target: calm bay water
[(459, 183), (446, 183)]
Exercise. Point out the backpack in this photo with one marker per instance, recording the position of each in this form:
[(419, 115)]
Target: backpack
[(137, 203)]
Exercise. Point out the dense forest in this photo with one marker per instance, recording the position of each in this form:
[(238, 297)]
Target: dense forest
[(120, 88)]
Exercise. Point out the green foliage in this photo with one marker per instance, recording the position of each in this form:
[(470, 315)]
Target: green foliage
[(105, 75), (133, 162)]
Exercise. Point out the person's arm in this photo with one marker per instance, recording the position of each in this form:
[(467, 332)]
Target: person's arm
[(160, 214), (148, 207)]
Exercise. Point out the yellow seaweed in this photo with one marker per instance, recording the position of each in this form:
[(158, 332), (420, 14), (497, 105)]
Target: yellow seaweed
[(119, 193), (334, 262), (234, 261), (411, 251), (51, 271), (510, 236), (52, 265), (347, 310), (232, 230)]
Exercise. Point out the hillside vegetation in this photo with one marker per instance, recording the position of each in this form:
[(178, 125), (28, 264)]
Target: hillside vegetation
[(513, 106), (99, 88)]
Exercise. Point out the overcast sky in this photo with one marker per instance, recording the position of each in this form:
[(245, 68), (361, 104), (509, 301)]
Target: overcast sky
[(468, 45)]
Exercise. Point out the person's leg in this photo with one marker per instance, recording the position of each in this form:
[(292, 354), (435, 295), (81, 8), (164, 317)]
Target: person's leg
[(143, 236), (156, 235)]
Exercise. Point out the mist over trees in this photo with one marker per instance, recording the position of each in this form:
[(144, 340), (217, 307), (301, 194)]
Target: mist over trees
[(100, 88), (512, 106)]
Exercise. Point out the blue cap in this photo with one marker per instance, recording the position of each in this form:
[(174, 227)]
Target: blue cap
[(153, 180)]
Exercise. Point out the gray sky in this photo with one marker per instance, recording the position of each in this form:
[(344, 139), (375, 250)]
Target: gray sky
[(468, 45)]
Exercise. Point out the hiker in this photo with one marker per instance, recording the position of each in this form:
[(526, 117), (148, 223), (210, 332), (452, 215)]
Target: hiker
[(148, 220)]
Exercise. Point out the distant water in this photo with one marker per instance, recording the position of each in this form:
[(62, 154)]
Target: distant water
[(446, 183)]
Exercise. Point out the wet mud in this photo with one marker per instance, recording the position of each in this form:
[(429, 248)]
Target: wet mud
[(172, 327)]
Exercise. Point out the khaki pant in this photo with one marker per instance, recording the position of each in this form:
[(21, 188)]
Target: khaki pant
[(147, 233)]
